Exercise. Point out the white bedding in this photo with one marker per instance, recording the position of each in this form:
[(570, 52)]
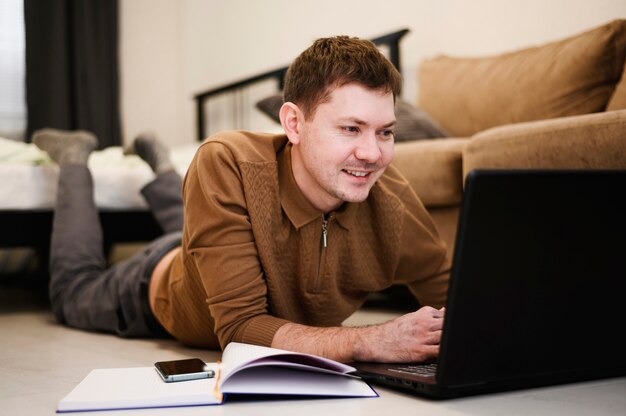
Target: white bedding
[(28, 179)]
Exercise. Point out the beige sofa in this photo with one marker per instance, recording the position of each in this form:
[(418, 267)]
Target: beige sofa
[(559, 105)]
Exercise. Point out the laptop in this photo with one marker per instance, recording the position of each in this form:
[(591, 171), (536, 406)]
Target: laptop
[(537, 288)]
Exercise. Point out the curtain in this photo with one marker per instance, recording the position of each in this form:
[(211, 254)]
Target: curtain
[(72, 79)]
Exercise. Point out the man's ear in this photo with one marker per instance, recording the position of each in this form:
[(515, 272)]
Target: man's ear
[(291, 118)]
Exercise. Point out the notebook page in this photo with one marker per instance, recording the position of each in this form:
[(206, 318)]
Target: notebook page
[(237, 355), (289, 382), (138, 387)]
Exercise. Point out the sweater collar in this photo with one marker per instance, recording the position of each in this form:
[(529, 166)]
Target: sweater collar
[(297, 208)]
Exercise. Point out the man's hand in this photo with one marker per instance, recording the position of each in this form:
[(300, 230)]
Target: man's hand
[(408, 338)]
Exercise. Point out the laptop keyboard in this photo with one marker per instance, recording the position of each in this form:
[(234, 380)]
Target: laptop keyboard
[(421, 370)]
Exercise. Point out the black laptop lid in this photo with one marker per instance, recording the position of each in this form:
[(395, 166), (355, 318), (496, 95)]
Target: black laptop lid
[(538, 286)]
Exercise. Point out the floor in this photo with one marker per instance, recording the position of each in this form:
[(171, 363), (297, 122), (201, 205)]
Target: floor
[(41, 361)]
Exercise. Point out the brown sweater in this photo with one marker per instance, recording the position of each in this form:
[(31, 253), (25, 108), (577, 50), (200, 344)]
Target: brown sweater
[(253, 254)]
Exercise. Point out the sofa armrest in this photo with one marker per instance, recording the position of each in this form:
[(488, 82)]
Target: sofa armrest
[(591, 141), (433, 168)]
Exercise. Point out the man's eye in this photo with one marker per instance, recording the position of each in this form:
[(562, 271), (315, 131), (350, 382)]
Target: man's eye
[(351, 129), (387, 133)]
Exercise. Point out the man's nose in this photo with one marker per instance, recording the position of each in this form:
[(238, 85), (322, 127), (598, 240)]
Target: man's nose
[(368, 148)]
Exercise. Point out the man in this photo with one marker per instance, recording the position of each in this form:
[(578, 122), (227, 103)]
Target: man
[(284, 236)]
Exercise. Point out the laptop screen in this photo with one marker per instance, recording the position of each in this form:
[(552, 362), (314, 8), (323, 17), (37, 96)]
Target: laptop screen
[(538, 279)]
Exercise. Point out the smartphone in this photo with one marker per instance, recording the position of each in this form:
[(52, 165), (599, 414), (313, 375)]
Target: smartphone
[(181, 370)]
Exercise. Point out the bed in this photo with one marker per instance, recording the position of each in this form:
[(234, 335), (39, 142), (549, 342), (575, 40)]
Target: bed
[(28, 178), (28, 193)]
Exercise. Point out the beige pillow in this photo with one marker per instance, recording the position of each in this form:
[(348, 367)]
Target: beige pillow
[(618, 99), (569, 77)]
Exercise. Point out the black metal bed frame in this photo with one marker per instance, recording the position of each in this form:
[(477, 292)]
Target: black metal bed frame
[(391, 41)]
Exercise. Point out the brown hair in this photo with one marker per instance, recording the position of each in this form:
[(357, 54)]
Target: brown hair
[(333, 62)]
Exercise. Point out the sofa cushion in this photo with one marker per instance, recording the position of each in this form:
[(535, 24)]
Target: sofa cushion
[(434, 169), (589, 141), (413, 123), (573, 76), (618, 99)]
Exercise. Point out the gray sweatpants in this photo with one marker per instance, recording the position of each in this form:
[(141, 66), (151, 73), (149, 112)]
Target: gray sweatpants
[(84, 292)]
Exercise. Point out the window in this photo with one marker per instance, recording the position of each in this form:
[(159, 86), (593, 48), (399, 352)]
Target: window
[(12, 70)]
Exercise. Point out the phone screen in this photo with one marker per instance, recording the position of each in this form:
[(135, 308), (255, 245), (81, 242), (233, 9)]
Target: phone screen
[(181, 370)]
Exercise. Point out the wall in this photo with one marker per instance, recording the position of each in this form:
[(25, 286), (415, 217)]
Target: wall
[(172, 50), (151, 74)]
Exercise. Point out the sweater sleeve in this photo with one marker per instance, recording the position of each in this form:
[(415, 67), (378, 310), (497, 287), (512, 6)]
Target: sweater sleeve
[(423, 261), (220, 250)]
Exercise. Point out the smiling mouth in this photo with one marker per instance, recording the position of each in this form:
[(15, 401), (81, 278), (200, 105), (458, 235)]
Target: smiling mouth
[(357, 173)]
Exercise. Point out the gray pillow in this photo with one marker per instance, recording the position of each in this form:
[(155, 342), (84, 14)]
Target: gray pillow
[(413, 123), (270, 106)]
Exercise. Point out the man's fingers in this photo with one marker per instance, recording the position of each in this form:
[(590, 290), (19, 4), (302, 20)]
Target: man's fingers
[(430, 351), (433, 338)]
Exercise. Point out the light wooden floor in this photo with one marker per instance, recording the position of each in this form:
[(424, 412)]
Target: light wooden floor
[(41, 361)]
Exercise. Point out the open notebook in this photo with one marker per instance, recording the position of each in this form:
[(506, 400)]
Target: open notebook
[(245, 370)]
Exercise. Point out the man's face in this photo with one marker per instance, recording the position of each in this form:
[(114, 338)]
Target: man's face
[(345, 147)]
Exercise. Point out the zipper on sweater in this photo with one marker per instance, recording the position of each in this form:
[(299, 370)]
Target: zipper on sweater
[(324, 232), (322, 255)]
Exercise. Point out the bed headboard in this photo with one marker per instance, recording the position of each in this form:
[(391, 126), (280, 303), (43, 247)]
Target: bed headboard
[(389, 42)]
